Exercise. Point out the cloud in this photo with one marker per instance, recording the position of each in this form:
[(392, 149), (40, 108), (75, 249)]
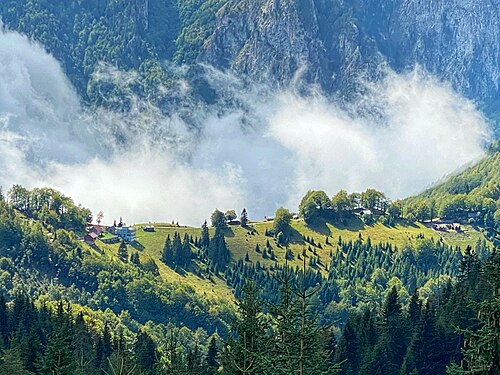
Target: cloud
[(255, 147)]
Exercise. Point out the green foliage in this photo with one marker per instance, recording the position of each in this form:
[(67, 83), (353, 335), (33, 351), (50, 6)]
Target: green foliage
[(218, 220), (469, 196), (123, 252), (342, 203), (282, 219), (244, 218), (218, 253), (314, 204), (50, 207)]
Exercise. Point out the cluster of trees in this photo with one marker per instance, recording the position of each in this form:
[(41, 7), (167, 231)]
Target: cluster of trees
[(50, 207), (49, 263), (57, 340), (177, 252), (124, 34), (38, 260), (471, 196), (361, 273), (285, 338), (453, 331), (316, 204)]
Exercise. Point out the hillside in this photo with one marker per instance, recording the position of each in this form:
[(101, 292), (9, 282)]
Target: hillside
[(241, 241), (471, 196), (184, 281)]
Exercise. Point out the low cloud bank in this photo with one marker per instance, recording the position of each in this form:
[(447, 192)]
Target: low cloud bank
[(265, 151)]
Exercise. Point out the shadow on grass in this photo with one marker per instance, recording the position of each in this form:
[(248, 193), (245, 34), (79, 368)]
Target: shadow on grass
[(137, 245), (353, 224), (228, 232), (295, 237), (320, 226), (406, 224)]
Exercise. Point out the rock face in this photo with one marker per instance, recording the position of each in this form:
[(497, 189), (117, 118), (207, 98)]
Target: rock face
[(141, 12), (284, 40), (458, 40), (330, 42)]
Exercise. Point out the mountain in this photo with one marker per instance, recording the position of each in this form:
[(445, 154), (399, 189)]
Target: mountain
[(331, 43)]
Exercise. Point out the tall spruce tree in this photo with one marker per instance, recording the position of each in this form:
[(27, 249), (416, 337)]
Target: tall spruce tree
[(123, 252), (168, 252), (246, 353)]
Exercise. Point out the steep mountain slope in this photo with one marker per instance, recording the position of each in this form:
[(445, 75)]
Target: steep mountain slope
[(335, 41), (328, 42), (455, 40), (282, 41)]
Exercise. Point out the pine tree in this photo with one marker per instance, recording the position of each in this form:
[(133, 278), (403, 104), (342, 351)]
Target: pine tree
[(205, 236), (218, 253), (134, 258), (194, 361), (244, 218), (57, 358), (212, 354), (482, 347), (145, 352), (185, 254), (11, 363), (123, 252), (247, 353), (168, 252), (84, 355), (177, 249), (388, 353)]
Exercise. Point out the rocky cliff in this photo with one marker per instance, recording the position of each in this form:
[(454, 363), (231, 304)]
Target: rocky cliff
[(331, 42)]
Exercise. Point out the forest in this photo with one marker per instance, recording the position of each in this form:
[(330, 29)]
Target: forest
[(420, 307)]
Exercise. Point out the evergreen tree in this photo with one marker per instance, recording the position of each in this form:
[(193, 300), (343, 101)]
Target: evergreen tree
[(482, 348), (168, 252), (134, 258), (84, 355), (247, 353), (244, 218), (11, 363), (57, 358), (205, 236), (218, 253), (212, 354), (123, 252), (177, 249), (145, 353)]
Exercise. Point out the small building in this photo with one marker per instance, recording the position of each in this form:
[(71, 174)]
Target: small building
[(234, 222), (128, 234), (97, 229), (90, 238), (148, 228)]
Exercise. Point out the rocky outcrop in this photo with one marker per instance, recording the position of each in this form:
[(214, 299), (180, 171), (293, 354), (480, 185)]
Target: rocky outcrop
[(286, 41), (330, 42)]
